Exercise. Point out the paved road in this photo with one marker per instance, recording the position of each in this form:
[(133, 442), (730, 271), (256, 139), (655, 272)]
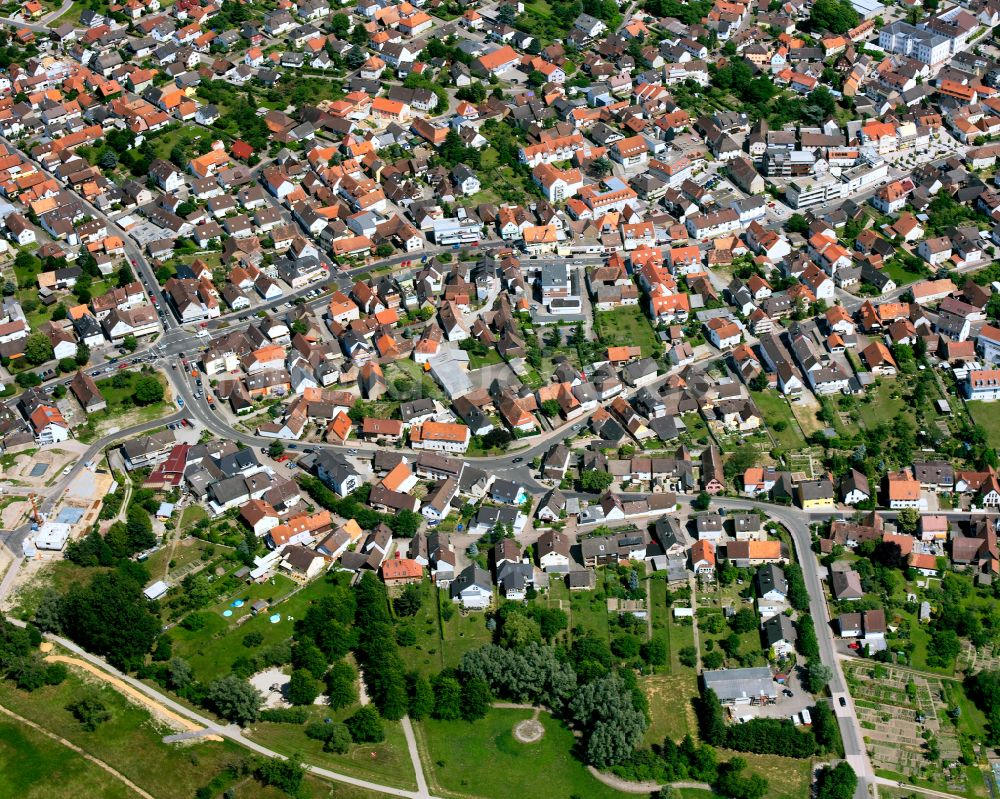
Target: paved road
[(797, 522)]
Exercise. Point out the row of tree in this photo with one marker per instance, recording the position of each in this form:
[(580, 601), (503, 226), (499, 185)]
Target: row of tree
[(764, 735)]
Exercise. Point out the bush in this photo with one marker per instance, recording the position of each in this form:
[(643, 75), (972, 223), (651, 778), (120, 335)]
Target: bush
[(365, 726), (335, 736), (285, 715)]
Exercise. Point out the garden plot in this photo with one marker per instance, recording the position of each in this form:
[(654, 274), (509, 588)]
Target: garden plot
[(986, 658), (900, 713)]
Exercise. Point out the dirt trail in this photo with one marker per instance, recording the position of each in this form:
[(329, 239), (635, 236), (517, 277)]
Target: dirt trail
[(163, 712), (69, 745)]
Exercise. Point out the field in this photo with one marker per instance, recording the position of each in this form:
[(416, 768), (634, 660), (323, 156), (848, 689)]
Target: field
[(787, 777), (883, 407), (386, 763), (483, 759), (130, 742), (987, 414), (33, 766), (775, 410), (626, 326), (212, 649)]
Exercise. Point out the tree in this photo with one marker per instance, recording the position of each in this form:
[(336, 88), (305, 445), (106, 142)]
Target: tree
[(711, 722), (476, 699), (48, 614), (836, 16), (796, 222), (285, 775), (139, 529), (654, 652), (907, 520), (836, 782), (179, 674), (421, 697), (405, 523), (340, 24), (38, 349), (743, 621), (335, 736), (90, 711), (551, 408), (409, 601), (732, 783), (82, 354), (817, 677), (600, 167), (148, 390), (943, 648), (688, 656), (130, 343), (275, 449), (340, 685), (234, 699), (303, 688), (595, 481), (28, 380), (447, 698), (702, 501), (612, 727), (518, 630), (110, 617), (365, 726)]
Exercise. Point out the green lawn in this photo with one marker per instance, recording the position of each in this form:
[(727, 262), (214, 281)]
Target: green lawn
[(627, 326), (391, 764), (427, 653), (121, 387), (882, 407), (900, 274), (212, 649), (479, 361), (777, 413), (483, 759), (587, 610), (987, 414), (462, 634), (130, 742), (33, 766), (192, 515)]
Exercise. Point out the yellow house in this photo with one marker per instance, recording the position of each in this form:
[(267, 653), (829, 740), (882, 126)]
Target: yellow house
[(816, 494)]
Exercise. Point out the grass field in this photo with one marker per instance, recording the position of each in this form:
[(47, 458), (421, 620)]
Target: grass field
[(775, 409), (483, 759), (427, 653), (626, 326), (670, 710), (987, 414), (33, 766), (787, 777), (900, 274), (390, 766), (882, 408), (212, 649), (130, 742)]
